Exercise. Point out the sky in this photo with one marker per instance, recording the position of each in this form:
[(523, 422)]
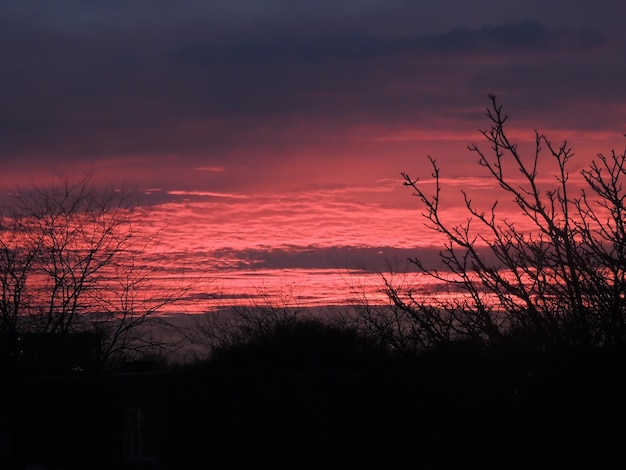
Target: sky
[(271, 134)]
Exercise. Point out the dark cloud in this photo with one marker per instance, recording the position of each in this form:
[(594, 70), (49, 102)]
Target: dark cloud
[(375, 259), (503, 39), (222, 82)]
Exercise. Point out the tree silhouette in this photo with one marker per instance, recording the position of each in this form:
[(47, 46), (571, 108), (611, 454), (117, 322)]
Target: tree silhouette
[(560, 283), (72, 261)]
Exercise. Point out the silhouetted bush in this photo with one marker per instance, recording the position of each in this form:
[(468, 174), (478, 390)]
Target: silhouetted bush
[(304, 345)]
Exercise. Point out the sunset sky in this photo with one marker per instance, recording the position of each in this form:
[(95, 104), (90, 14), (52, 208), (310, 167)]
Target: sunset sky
[(270, 134)]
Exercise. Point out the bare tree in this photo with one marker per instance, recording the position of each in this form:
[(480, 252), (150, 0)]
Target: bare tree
[(71, 260), (17, 257), (399, 330), (236, 324), (561, 282)]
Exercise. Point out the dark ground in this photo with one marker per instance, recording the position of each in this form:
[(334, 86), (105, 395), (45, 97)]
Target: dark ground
[(459, 409)]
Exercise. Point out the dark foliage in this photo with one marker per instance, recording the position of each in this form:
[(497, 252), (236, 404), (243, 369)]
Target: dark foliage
[(454, 407), (303, 345)]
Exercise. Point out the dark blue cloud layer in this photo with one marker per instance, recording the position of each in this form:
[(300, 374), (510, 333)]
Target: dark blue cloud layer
[(499, 39), (208, 81), (371, 259)]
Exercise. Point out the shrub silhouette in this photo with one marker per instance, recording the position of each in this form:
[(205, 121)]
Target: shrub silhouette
[(304, 345)]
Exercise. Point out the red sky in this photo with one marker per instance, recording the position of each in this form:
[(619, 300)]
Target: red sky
[(275, 132)]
